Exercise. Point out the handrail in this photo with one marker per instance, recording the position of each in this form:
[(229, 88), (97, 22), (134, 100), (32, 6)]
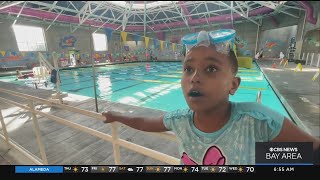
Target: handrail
[(45, 62), (114, 138), (98, 116), (259, 97), (314, 61)]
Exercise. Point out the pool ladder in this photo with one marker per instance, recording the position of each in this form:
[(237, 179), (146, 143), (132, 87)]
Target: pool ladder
[(259, 97)]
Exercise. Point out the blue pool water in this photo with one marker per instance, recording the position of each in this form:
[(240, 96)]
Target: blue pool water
[(156, 88)]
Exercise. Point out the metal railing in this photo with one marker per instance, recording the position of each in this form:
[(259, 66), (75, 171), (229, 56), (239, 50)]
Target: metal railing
[(312, 58), (114, 138)]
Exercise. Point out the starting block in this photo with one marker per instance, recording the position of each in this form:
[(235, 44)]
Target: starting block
[(285, 62), (299, 67), (316, 75)]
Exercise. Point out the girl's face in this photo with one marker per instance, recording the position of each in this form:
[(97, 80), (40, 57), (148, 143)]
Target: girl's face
[(207, 79)]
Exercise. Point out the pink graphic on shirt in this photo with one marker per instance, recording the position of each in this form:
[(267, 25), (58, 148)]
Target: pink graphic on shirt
[(213, 156)]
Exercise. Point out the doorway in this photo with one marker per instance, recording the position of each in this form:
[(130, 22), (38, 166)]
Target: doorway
[(74, 57)]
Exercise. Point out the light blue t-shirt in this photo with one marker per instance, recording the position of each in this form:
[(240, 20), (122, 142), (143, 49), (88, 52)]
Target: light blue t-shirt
[(234, 143)]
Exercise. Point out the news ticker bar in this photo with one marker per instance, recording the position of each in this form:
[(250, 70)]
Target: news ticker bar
[(134, 169), (113, 169)]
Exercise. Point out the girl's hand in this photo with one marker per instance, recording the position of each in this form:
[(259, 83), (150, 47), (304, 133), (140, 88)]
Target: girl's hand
[(109, 116)]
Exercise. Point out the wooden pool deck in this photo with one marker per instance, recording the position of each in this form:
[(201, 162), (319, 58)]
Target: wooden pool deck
[(65, 145)]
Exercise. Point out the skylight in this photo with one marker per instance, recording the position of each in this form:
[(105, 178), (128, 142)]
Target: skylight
[(141, 5)]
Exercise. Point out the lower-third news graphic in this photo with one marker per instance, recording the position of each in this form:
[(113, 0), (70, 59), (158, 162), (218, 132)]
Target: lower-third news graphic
[(284, 153)]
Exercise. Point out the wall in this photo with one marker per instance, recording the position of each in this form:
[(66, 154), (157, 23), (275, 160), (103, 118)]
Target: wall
[(274, 41), (245, 36), (311, 33), (308, 34), (245, 39), (60, 39), (54, 41), (281, 20)]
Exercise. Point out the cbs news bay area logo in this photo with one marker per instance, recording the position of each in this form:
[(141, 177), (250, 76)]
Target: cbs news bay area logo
[(284, 153)]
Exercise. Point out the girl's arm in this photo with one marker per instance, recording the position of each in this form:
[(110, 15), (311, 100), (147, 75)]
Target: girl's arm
[(292, 133), (154, 124)]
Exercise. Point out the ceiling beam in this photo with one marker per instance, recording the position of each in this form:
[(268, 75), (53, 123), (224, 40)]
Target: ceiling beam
[(200, 3), (165, 15), (276, 7), (11, 4), (24, 4), (73, 6), (193, 15), (243, 15), (84, 18), (287, 13), (52, 6), (126, 16), (55, 18), (182, 15), (145, 19), (107, 22), (247, 15)]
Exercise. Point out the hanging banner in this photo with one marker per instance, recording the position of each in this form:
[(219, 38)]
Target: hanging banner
[(13, 53), (154, 43), (136, 38), (146, 41), (173, 46), (108, 32), (124, 37), (3, 53), (8, 54), (161, 45)]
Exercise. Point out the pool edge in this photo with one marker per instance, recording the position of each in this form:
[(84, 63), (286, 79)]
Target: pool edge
[(286, 105)]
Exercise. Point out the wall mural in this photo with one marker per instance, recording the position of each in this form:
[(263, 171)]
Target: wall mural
[(277, 40), (68, 41), (270, 45), (242, 47), (10, 58)]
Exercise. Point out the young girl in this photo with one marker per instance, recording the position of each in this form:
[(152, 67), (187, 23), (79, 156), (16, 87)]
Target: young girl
[(215, 131)]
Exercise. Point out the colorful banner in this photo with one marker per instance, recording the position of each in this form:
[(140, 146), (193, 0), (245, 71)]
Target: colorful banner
[(108, 32), (161, 45), (155, 43), (146, 41), (167, 45), (136, 38), (124, 36), (8, 54), (13, 53), (3, 53), (173, 46)]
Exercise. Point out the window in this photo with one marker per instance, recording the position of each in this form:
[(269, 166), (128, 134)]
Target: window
[(29, 38), (99, 42)]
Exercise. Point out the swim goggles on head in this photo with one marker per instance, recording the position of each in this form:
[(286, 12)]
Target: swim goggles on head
[(222, 39)]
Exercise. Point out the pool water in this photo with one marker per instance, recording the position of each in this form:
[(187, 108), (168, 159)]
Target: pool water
[(157, 86)]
